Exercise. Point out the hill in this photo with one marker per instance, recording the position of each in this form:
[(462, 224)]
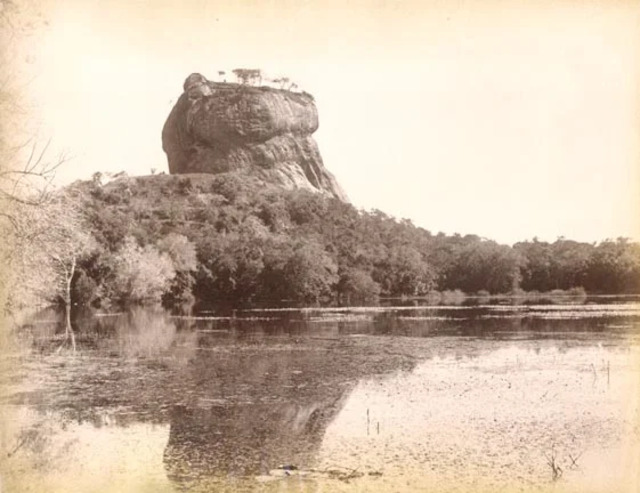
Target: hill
[(250, 213), (232, 237)]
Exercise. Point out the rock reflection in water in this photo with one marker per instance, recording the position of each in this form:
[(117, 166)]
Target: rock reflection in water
[(239, 394), (260, 405), (245, 440)]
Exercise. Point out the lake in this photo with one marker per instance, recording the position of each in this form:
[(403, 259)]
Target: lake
[(478, 397)]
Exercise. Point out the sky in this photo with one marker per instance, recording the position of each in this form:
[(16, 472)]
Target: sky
[(506, 119)]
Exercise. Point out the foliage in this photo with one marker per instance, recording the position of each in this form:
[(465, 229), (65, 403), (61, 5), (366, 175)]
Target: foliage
[(611, 267), (231, 237), (85, 289), (285, 83), (52, 240), (183, 257), (357, 286), (483, 265), (614, 267), (181, 251), (26, 167), (230, 267), (309, 274), (141, 273), (249, 76)]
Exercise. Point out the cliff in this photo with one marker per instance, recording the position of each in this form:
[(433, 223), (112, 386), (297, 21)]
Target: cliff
[(260, 131)]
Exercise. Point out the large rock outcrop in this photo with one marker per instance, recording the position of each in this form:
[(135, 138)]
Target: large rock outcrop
[(220, 127)]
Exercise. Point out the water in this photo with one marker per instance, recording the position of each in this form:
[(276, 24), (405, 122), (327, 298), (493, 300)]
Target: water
[(406, 398)]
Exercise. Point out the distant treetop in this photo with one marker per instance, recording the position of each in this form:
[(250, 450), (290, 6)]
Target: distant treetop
[(255, 77), (248, 76)]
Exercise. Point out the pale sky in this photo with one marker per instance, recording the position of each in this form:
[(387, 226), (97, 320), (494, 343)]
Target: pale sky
[(506, 119)]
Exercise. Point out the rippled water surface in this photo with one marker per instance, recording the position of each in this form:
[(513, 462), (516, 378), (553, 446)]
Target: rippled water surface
[(409, 398)]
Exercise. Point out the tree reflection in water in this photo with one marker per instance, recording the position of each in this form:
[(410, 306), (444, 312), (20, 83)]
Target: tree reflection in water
[(241, 396), (245, 393)]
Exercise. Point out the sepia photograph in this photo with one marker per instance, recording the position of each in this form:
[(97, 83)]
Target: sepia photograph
[(320, 246)]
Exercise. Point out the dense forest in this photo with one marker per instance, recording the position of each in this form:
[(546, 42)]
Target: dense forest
[(230, 237)]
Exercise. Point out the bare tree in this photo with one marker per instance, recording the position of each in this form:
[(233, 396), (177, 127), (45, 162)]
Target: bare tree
[(30, 183), (52, 239), (26, 169)]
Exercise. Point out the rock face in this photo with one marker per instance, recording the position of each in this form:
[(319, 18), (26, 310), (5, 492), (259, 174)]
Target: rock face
[(266, 132)]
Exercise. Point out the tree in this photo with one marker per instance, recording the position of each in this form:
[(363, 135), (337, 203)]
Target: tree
[(536, 269), (25, 193), (483, 265), (285, 83), (181, 251), (28, 184), (403, 272), (248, 76), (141, 274), (53, 238), (570, 261), (309, 274), (183, 256), (24, 165), (614, 267), (357, 286), (26, 171), (232, 264), (282, 82)]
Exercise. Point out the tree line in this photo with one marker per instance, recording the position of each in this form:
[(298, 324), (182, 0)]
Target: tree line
[(256, 77), (231, 238)]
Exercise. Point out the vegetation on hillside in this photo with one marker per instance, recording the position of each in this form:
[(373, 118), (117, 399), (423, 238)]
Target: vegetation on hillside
[(231, 238)]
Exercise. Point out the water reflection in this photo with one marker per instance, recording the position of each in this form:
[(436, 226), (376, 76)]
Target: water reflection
[(48, 451), (404, 391), (246, 439), (492, 421)]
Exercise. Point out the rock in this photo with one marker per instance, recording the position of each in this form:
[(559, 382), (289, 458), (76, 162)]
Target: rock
[(220, 127)]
